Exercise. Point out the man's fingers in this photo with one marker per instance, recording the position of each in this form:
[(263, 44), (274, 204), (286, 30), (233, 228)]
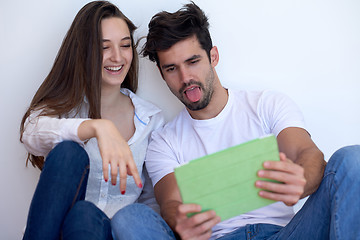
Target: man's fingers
[(280, 187), (183, 209), (197, 226), (284, 177), (289, 200), (284, 166)]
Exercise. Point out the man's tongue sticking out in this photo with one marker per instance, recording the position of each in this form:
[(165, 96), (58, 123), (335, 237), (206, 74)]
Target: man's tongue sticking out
[(193, 94)]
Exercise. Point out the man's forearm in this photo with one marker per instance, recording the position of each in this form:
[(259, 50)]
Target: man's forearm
[(168, 212), (312, 160)]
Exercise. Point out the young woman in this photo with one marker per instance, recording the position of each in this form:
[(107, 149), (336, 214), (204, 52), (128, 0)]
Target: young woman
[(93, 131)]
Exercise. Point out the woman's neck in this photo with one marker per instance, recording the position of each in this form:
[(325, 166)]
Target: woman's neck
[(118, 108), (112, 98)]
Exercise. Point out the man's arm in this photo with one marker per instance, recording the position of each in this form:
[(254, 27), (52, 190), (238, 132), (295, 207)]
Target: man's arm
[(300, 169), (298, 146), (175, 213), (168, 196)]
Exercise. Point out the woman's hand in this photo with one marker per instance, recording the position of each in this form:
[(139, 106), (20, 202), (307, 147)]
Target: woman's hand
[(114, 151)]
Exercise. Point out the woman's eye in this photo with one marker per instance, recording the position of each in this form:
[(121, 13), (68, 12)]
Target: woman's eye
[(105, 47)]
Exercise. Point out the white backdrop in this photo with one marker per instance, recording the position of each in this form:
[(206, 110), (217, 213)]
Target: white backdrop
[(308, 49)]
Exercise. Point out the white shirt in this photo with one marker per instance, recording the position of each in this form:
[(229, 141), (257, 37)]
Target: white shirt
[(246, 116), (43, 133)]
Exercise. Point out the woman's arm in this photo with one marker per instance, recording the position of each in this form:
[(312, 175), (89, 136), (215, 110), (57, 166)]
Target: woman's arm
[(43, 133), (114, 150)]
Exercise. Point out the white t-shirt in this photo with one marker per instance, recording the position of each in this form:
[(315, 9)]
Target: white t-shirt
[(246, 116), (43, 133)]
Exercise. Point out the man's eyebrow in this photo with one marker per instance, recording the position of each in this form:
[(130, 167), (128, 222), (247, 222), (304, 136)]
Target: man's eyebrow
[(167, 66), (192, 58)]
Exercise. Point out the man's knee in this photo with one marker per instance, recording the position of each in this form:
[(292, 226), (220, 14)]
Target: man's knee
[(138, 221), (347, 157), (85, 218), (131, 212)]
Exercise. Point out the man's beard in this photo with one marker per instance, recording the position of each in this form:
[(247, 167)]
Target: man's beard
[(207, 91)]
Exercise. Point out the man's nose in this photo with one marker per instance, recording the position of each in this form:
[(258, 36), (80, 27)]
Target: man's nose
[(185, 75)]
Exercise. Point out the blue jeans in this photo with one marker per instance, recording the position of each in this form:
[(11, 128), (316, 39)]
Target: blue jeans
[(58, 209), (332, 212), (138, 222)]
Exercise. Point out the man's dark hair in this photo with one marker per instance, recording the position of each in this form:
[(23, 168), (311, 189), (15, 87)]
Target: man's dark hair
[(167, 29)]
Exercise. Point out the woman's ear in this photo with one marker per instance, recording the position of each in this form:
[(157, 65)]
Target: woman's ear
[(214, 56)]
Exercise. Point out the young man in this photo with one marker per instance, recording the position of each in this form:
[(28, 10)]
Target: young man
[(215, 118)]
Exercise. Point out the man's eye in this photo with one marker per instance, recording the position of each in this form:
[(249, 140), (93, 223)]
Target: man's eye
[(195, 61), (170, 69)]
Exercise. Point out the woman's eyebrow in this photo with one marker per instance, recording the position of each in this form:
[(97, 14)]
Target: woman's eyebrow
[(125, 38)]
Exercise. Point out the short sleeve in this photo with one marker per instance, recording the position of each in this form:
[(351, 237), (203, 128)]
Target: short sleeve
[(278, 112), (160, 158)]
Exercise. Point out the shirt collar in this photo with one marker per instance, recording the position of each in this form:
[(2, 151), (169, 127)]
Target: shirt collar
[(143, 109)]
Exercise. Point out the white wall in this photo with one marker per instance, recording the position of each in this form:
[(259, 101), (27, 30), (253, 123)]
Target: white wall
[(305, 48)]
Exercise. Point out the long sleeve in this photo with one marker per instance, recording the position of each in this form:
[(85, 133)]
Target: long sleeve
[(42, 133)]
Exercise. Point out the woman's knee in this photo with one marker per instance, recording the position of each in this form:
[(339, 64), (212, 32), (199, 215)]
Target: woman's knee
[(67, 154)]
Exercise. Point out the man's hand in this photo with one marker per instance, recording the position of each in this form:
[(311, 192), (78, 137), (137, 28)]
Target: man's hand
[(197, 226), (291, 178)]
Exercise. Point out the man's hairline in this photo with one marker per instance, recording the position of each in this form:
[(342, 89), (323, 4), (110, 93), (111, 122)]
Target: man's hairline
[(157, 59)]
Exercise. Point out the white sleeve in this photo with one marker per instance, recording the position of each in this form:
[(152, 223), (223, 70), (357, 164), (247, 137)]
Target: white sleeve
[(278, 112), (43, 133), (160, 159)]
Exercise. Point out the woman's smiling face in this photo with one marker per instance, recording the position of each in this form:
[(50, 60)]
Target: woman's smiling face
[(117, 51)]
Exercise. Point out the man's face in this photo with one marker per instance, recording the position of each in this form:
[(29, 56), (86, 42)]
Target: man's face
[(188, 73)]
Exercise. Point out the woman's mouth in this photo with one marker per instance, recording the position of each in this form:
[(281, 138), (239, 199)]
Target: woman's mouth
[(114, 68)]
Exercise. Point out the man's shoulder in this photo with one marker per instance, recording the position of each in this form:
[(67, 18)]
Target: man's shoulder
[(172, 127), (254, 93), (254, 96)]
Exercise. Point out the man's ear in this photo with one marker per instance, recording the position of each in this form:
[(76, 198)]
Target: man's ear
[(214, 56), (161, 73)]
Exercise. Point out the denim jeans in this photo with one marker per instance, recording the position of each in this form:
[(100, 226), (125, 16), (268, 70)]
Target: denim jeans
[(138, 222), (58, 209), (332, 212)]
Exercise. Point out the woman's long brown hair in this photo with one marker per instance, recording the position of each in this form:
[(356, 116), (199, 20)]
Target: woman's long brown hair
[(76, 72)]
